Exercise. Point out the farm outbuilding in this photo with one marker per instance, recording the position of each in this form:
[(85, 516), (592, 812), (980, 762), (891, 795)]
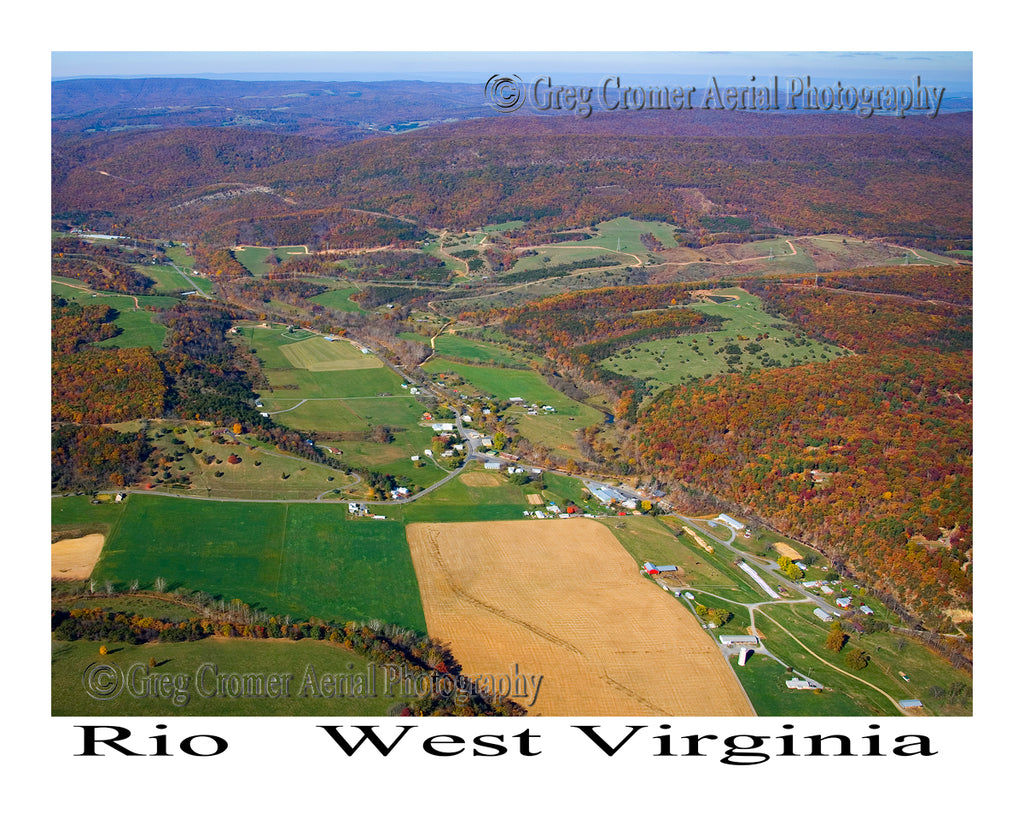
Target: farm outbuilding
[(738, 639), (730, 522), (823, 615)]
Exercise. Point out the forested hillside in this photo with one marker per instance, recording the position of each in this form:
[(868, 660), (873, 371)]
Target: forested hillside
[(867, 457), (708, 173)]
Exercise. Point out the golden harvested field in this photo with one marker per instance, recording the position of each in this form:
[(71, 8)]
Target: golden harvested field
[(73, 558), (479, 479), (786, 550), (561, 598)]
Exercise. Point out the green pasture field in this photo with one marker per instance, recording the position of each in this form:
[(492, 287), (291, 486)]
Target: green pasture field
[(137, 330), (179, 255), (505, 383), (318, 355), (251, 258), (168, 280), (76, 515), (339, 299), (301, 660), (764, 680), (624, 233), (454, 344), (73, 290), (944, 690), (415, 337), (259, 476), (554, 430), (558, 255), (288, 382), (140, 604), (671, 361), (503, 226), (560, 488), (712, 578), (459, 501), (297, 559)]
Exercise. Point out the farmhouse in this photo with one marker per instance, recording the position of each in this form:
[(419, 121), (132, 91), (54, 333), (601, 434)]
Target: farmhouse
[(356, 508), (844, 602)]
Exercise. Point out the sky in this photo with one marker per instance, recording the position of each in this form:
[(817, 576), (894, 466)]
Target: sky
[(951, 69)]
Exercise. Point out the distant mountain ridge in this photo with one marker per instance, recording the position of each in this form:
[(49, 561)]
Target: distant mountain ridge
[(333, 109)]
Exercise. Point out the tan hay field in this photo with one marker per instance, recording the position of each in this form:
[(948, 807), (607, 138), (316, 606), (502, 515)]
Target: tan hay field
[(563, 599), (534, 499), (479, 479), (786, 550), (73, 558)]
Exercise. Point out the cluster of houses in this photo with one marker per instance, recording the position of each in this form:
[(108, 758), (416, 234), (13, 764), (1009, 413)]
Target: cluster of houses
[(531, 409), (362, 510), (552, 510)]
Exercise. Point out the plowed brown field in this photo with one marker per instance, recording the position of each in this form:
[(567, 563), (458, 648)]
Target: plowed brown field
[(561, 598)]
